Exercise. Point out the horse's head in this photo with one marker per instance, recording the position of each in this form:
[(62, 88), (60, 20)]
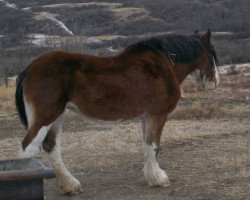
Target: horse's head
[(206, 69)]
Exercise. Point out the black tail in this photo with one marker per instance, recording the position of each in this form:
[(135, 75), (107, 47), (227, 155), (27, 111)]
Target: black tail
[(19, 99)]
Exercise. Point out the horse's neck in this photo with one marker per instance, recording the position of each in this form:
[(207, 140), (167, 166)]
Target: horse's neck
[(182, 70)]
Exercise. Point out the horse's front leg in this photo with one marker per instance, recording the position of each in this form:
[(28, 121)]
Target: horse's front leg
[(152, 128)]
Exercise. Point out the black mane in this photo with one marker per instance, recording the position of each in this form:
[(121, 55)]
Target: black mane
[(180, 48)]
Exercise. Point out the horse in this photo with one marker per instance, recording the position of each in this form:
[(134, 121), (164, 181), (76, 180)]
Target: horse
[(141, 82)]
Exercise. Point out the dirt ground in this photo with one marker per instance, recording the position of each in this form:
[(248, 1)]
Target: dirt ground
[(205, 148)]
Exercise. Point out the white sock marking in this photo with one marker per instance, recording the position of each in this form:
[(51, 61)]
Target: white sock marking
[(32, 148), (154, 175), (64, 178)]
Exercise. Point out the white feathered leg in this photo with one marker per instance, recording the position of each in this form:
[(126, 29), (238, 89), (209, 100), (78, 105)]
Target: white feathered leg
[(154, 175), (64, 178), (152, 129)]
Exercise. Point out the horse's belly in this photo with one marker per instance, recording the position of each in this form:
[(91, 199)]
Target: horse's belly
[(107, 112), (122, 107)]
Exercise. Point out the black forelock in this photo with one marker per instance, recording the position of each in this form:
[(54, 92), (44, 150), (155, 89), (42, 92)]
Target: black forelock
[(180, 48)]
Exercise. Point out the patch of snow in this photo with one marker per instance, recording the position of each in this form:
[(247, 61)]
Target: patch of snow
[(222, 33), (222, 71), (111, 49), (43, 15), (26, 9), (93, 40), (57, 22), (45, 40), (130, 13), (46, 15), (227, 69), (9, 5), (38, 39), (246, 65), (244, 90), (81, 5), (61, 25)]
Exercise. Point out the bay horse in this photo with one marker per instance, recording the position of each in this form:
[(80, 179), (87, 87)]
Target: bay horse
[(142, 81)]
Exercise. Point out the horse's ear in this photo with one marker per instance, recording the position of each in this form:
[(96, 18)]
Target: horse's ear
[(206, 38)]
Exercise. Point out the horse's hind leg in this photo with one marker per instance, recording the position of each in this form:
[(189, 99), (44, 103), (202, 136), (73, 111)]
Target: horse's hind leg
[(33, 140), (52, 146), (35, 136), (152, 128)]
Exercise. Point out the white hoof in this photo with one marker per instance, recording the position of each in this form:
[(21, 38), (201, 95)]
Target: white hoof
[(69, 185), (156, 177)]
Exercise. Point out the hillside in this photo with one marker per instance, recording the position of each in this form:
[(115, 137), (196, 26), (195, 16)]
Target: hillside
[(29, 28)]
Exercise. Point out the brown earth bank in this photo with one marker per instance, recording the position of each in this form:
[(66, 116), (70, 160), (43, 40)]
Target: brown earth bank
[(205, 148)]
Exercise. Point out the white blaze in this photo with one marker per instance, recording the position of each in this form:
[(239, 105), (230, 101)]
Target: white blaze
[(217, 79)]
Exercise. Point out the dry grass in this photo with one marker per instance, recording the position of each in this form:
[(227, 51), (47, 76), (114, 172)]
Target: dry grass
[(197, 110), (210, 111), (7, 99), (236, 162)]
